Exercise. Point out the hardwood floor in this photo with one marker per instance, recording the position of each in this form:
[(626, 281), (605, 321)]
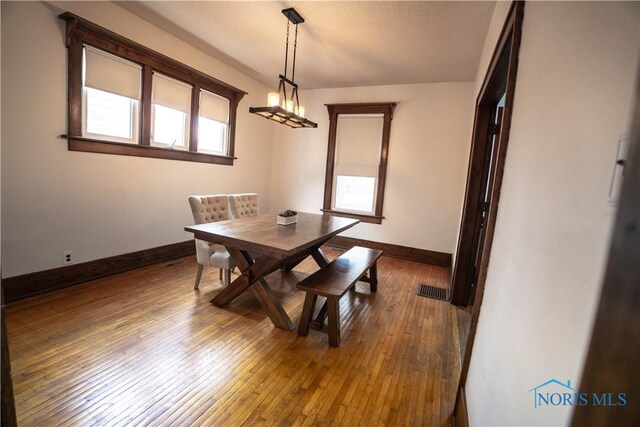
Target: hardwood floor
[(464, 326), (144, 348)]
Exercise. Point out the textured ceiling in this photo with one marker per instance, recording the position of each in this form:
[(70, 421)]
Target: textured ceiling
[(341, 44)]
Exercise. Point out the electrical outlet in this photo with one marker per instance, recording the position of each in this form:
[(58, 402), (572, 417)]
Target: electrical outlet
[(67, 258)]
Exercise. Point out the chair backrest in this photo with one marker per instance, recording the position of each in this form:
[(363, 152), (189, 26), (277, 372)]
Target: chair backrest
[(209, 208), (243, 205)]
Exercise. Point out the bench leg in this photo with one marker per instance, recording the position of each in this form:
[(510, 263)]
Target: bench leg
[(307, 314), (333, 308), (373, 277), (322, 315)]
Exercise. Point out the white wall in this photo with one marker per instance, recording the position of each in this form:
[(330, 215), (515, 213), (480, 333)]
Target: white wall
[(493, 33), (573, 95), (100, 205), (428, 151)]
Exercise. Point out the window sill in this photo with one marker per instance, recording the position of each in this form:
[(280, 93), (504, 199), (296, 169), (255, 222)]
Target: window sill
[(373, 219), (77, 143)]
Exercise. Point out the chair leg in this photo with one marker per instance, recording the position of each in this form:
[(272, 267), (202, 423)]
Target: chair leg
[(373, 277), (221, 274), (198, 276), (227, 277)]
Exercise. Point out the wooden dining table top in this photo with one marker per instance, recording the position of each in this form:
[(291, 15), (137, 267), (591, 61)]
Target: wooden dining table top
[(261, 234)]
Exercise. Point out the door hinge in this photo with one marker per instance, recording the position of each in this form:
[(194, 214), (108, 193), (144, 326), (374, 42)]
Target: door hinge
[(494, 129)]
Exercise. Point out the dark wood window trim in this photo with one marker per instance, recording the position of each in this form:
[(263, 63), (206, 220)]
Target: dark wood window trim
[(80, 32), (364, 218), (385, 108), (122, 148)]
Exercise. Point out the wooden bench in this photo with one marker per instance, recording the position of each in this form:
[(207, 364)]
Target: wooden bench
[(332, 282)]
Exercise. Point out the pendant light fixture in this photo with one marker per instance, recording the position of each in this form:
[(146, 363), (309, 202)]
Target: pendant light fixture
[(284, 106)]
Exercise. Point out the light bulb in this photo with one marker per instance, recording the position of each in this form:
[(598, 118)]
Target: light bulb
[(289, 105), (301, 110), (273, 99)]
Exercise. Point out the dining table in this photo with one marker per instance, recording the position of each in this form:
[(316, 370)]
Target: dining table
[(259, 246)]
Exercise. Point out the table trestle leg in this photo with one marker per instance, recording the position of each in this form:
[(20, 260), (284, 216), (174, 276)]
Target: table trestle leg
[(252, 276)]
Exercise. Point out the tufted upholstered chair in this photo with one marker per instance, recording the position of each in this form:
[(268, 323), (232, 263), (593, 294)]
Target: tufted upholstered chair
[(243, 205), (211, 209)]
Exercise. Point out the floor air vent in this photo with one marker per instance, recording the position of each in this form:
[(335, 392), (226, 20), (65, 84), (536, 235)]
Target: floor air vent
[(433, 292)]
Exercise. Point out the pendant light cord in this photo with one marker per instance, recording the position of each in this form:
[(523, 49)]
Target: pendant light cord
[(295, 48), (286, 52)]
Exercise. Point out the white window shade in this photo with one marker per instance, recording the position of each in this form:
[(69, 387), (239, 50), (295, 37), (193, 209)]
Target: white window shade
[(214, 107), (112, 74), (358, 144), (171, 93)]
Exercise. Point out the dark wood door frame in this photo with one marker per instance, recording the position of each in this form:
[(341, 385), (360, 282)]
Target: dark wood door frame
[(612, 360), (500, 79), (8, 408)]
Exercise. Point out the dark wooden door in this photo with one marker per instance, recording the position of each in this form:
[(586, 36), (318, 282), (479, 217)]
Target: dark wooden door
[(483, 211)]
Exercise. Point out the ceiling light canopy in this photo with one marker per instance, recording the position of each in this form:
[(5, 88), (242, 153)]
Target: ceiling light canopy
[(284, 106)]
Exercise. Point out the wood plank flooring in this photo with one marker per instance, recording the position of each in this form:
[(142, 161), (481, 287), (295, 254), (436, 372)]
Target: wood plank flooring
[(144, 348)]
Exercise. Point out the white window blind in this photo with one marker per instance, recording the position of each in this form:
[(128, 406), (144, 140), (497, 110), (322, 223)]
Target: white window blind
[(214, 107), (171, 93), (110, 73), (358, 144)]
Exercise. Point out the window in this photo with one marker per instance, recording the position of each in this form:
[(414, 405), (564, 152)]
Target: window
[(355, 194), (169, 127), (170, 114), (111, 94), (357, 160), (110, 116), (213, 123), (129, 100), (357, 157)]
